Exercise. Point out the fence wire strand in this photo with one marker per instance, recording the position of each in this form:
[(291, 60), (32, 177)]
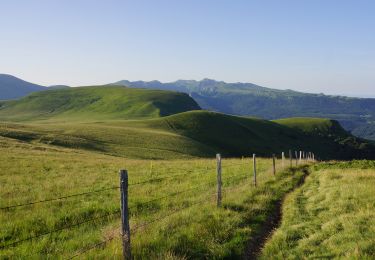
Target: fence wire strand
[(136, 228), (59, 198), (174, 194), (171, 176), (93, 246)]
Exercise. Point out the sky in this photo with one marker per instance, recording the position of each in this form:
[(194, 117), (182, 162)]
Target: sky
[(316, 46)]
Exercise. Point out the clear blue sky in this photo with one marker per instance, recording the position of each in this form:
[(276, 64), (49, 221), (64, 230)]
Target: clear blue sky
[(308, 45)]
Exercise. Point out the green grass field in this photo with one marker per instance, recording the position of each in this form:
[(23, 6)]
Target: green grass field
[(33, 172), (331, 216)]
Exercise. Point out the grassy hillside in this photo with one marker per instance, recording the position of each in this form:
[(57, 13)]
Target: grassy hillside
[(331, 216), (254, 100), (315, 126), (96, 103), (174, 207), (237, 136), (189, 134)]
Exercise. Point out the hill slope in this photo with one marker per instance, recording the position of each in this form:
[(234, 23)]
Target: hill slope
[(12, 87), (190, 134), (254, 100), (96, 103), (243, 136), (315, 126)]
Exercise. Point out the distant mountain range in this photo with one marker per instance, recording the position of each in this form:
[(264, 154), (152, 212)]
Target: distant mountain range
[(12, 87), (355, 114)]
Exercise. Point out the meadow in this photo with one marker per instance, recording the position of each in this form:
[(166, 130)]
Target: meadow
[(331, 216), (173, 212)]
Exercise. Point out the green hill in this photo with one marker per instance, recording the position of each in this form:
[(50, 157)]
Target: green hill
[(315, 126), (354, 114), (236, 136), (188, 134), (96, 103)]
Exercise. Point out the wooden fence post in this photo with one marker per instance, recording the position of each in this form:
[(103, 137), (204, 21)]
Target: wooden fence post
[(296, 154), (255, 169), (125, 227), (218, 169), (274, 164), (290, 158), (300, 156), (282, 160)]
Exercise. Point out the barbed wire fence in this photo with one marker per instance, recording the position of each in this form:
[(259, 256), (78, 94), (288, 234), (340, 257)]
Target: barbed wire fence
[(123, 212)]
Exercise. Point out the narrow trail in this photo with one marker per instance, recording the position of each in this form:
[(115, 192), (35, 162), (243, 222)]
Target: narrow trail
[(256, 244)]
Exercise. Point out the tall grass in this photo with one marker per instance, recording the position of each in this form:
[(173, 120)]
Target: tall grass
[(331, 216), (177, 226)]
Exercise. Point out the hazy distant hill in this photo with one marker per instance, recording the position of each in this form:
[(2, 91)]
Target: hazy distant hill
[(12, 87), (355, 114), (58, 87)]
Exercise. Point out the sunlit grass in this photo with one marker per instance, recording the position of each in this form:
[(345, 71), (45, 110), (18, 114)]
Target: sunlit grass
[(188, 224), (331, 216)]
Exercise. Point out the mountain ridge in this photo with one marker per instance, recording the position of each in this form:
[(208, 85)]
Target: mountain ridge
[(12, 87), (357, 115)]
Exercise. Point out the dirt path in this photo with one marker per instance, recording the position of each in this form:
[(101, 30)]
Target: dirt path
[(255, 245)]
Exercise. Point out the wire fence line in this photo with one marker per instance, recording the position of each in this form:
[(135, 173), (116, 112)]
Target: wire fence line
[(137, 228), (171, 176), (59, 198), (93, 246), (172, 194), (106, 189)]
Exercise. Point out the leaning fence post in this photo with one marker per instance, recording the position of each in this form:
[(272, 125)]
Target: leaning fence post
[(255, 169), (290, 158), (125, 228), (218, 169), (274, 164)]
